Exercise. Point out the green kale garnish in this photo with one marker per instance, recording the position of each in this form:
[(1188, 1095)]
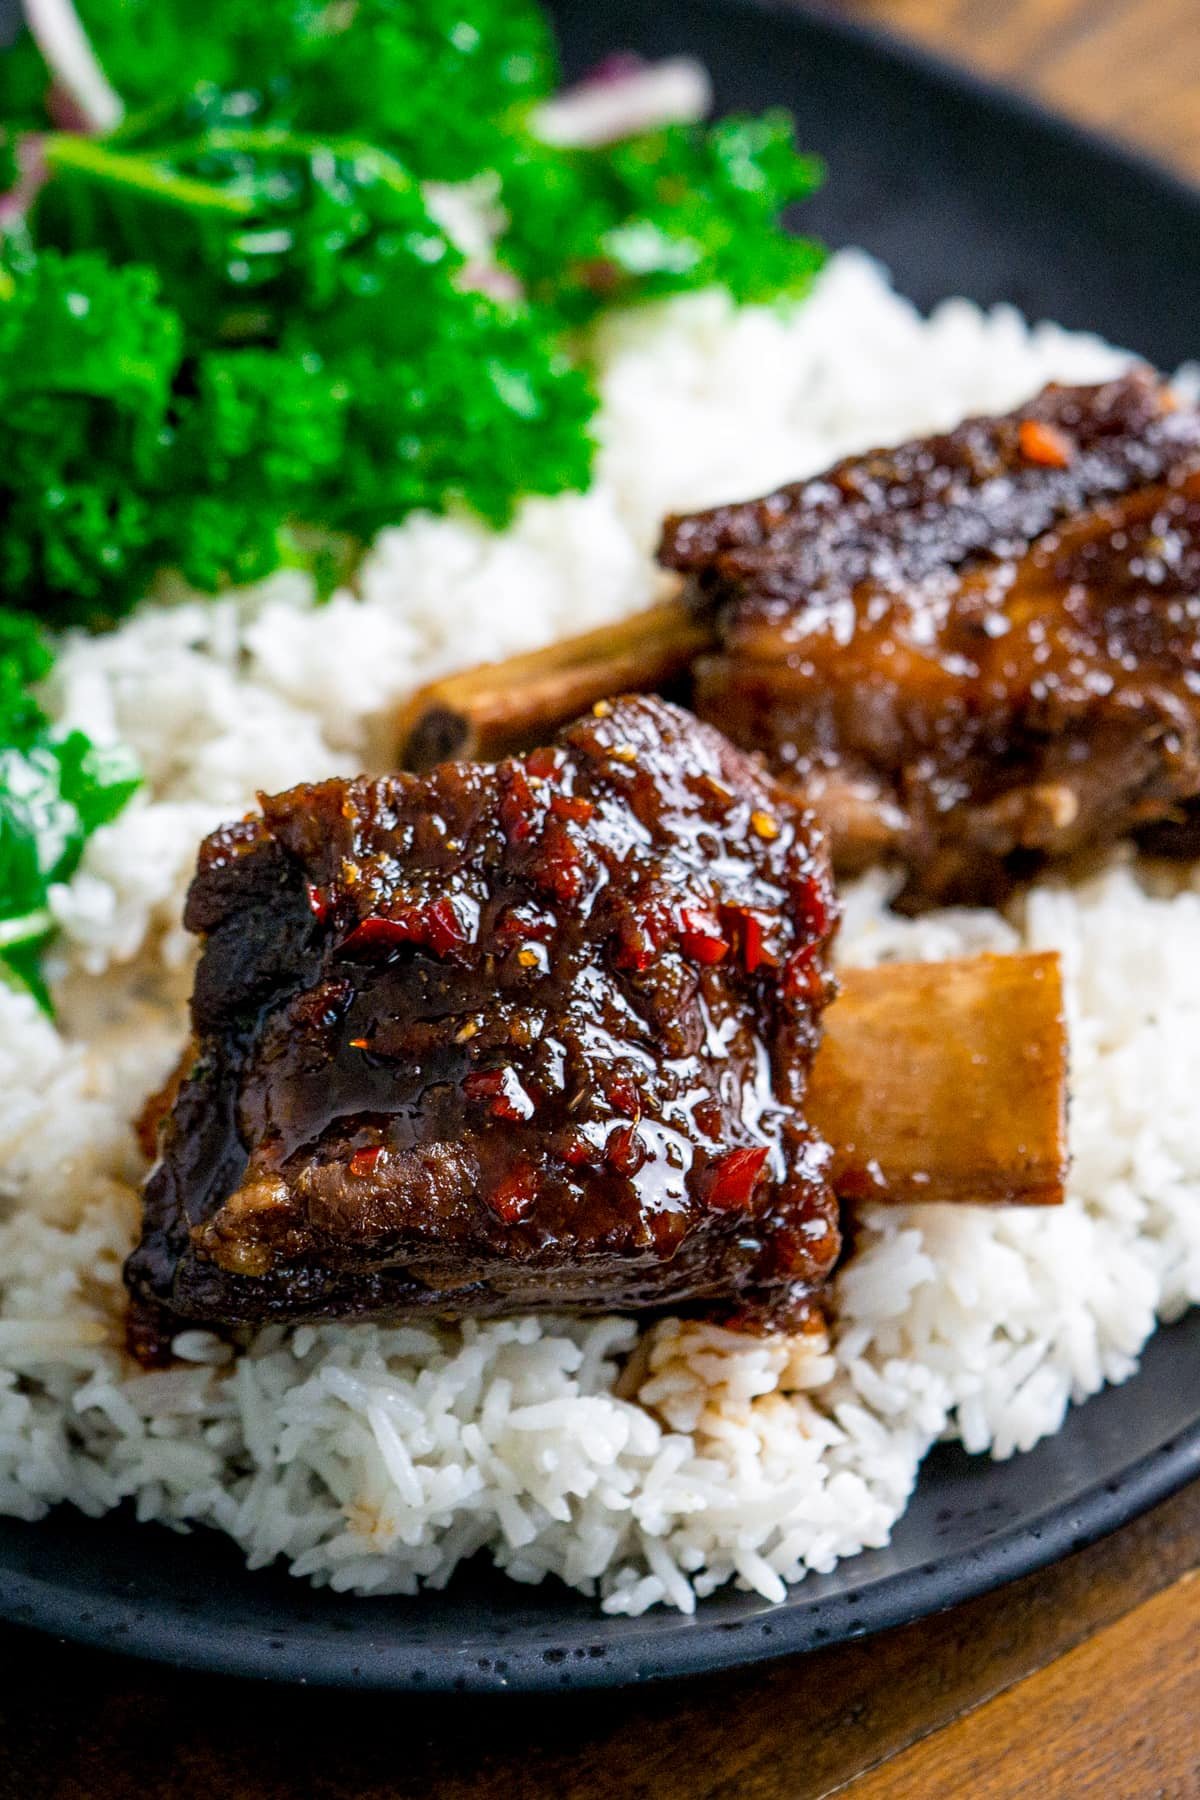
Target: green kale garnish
[(234, 328), (437, 82), (337, 371), (87, 357), (484, 409), (251, 231), (253, 437), (123, 455), (55, 791), (681, 208)]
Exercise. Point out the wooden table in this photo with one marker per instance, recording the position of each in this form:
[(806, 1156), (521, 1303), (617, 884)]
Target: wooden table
[(1130, 67), (1082, 1680)]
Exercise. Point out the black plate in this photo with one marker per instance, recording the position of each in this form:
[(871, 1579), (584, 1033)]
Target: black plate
[(961, 189)]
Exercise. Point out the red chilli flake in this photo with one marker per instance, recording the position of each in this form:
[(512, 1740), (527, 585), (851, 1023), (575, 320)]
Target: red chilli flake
[(573, 807), (318, 906), (640, 938), (734, 1180), (749, 935), (635, 950), (708, 1119), (813, 909), (700, 935), (363, 1161), (444, 930), (516, 805), (542, 763), (513, 1195), (578, 1150), (375, 933), (621, 1092), (1045, 445), (502, 1090), (624, 1150), (435, 927), (525, 921), (561, 870), (754, 953)]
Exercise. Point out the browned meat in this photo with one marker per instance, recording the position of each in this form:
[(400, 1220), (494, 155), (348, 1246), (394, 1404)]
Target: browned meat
[(500, 1038), (975, 651)]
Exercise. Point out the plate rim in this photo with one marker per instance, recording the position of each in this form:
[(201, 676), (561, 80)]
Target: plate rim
[(120, 1623)]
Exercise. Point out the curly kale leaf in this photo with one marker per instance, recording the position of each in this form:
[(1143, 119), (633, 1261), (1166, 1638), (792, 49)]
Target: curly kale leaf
[(120, 456), (253, 231), (25, 659), (681, 208), (252, 443), (478, 412), (435, 81), (100, 331), (311, 361), (55, 791), (379, 385), (87, 357)]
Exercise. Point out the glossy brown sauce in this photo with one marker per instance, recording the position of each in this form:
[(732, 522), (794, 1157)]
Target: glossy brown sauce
[(500, 1038), (975, 651)]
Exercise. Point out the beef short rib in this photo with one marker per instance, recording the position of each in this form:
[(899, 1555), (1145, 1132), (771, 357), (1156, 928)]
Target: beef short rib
[(976, 651), (501, 1038)]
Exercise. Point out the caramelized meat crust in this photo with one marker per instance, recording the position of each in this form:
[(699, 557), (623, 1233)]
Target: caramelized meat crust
[(503, 1038), (976, 651)]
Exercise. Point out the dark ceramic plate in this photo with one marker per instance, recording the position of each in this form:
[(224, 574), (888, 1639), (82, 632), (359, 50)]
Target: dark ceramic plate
[(961, 190)]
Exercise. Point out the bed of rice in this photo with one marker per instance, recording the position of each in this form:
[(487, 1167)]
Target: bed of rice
[(375, 1460)]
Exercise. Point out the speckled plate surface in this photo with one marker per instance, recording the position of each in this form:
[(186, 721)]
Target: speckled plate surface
[(961, 190)]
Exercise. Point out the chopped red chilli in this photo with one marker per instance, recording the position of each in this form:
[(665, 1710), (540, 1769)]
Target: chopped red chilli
[(803, 978), (623, 1095), (516, 805), (434, 926), (560, 869), (513, 1195), (573, 807), (502, 1090), (363, 1162), (1045, 444), (543, 763), (746, 930), (624, 1151), (814, 909), (577, 1150), (641, 938), (734, 1182), (700, 935)]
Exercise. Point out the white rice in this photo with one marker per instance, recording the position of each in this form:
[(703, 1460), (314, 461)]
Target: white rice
[(374, 1460)]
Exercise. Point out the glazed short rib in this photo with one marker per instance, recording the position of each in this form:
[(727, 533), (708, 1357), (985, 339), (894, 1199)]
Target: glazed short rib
[(975, 651), (503, 1038)]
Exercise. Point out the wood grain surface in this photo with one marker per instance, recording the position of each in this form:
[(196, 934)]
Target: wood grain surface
[(1082, 1680), (1131, 67), (1116, 1715)]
